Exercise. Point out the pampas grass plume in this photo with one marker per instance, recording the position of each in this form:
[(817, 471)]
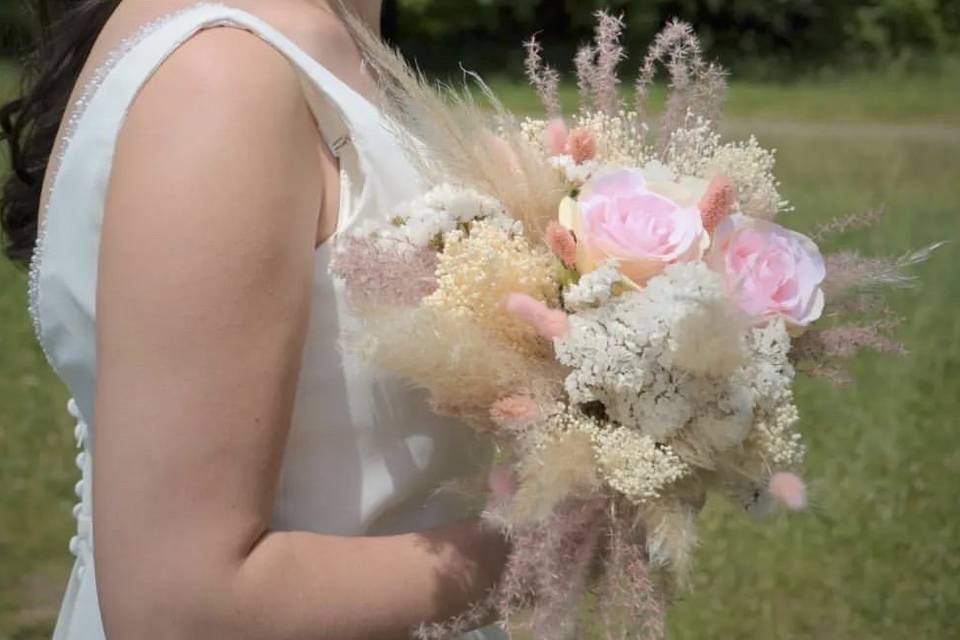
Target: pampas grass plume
[(564, 467)]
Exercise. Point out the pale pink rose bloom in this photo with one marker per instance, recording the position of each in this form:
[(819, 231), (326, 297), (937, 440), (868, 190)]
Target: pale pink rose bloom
[(619, 218), (770, 270)]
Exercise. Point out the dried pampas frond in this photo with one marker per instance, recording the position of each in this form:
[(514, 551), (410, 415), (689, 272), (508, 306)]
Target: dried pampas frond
[(698, 88), (842, 224), (544, 78), (566, 467), (466, 369), (450, 137), (597, 65), (633, 601), (672, 539), (848, 270)]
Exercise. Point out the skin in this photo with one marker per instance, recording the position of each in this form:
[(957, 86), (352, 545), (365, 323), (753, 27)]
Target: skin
[(213, 216)]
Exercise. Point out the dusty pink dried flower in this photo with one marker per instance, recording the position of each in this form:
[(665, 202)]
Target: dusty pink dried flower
[(379, 271), (717, 203), (562, 243), (555, 136), (549, 323), (515, 411), (582, 145)]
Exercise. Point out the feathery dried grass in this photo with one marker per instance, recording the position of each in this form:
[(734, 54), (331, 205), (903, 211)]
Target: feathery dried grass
[(544, 78), (597, 64), (634, 607), (565, 468), (672, 539), (848, 270), (697, 88), (850, 221), (465, 369), (450, 137)]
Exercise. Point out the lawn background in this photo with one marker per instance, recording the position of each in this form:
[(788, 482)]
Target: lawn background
[(877, 555)]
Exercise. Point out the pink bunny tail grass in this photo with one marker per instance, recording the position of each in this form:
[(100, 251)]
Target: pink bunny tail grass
[(562, 243), (788, 489), (582, 145), (515, 411), (717, 203), (555, 136), (549, 323)]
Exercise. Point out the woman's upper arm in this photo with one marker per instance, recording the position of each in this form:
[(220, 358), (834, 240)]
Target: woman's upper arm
[(206, 265)]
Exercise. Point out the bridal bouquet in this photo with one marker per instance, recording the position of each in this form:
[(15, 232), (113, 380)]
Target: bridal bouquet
[(615, 303)]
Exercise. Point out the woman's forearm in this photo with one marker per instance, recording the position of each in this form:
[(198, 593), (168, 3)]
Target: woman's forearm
[(295, 586)]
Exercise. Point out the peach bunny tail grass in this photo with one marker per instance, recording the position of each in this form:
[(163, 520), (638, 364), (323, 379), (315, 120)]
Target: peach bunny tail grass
[(549, 323), (717, 203), (562, 243), (789, 490), (582, 145)]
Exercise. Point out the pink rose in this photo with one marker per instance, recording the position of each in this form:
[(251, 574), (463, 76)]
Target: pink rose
[(619, 217), (771, 271)]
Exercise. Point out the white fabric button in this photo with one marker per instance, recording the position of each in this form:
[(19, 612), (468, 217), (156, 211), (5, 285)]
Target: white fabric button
[(77, 509), (78, 488), (80, 433), (73, 409), (75, 545), (81, 460)]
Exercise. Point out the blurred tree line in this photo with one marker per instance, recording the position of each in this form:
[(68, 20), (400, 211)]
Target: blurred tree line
[(757, 37)]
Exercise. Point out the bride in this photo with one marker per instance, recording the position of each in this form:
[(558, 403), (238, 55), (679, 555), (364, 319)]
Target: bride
[(187, 166)]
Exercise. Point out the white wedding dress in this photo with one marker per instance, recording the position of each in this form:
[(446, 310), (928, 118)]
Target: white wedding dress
[(365, 455)]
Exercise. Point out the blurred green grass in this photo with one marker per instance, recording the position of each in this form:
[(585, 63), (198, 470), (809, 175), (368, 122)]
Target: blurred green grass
[(877, 556)]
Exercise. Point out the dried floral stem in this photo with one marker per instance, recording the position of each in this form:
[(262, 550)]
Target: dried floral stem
[(544, 78)]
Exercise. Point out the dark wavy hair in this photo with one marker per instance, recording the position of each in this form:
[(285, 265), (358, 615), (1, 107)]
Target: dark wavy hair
[(29, 124)]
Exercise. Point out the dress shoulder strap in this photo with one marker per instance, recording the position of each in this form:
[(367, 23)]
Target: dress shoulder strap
[(341, 112)]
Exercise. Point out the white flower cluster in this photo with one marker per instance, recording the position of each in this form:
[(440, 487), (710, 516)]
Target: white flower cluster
[(630, 462), (594, 288), (670, 356), (779, 443), (698, 151), (635, 465), (620, 138), (575, 174), (436, 212)]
